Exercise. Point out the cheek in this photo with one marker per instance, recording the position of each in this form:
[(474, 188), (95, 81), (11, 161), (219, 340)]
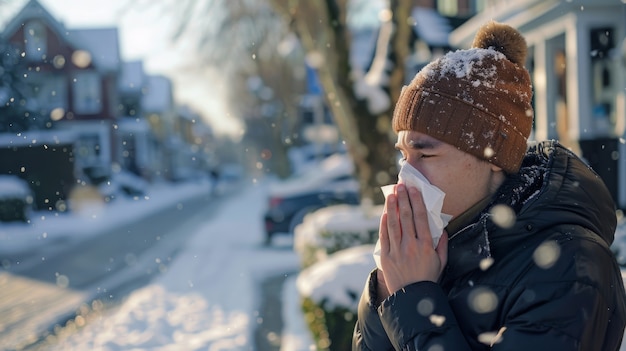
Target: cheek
[(463, 185)]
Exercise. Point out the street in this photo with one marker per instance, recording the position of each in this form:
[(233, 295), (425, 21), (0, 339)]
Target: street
[(202, 257)]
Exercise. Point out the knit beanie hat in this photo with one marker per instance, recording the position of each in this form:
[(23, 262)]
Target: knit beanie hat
[(478, 99)]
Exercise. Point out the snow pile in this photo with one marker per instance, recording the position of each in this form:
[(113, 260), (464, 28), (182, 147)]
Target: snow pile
[(12, 187), (338, 280), (207, 299), (334, 228)]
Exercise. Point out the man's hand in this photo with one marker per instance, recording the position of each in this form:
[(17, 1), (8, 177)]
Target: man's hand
[(407, 255)]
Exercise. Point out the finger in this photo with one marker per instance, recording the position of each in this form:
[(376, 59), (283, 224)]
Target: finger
[(394, 232), (383, 234), (421, 216), (442, 249), (406, 214)]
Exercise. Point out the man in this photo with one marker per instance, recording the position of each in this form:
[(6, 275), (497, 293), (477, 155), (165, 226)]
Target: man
[(525, 262)]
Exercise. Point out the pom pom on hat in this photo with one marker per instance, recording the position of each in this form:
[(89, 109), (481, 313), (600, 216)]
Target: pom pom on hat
[(479, 99), (504, 39)]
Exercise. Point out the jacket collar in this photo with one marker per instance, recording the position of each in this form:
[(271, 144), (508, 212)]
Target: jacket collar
[(468, 249)]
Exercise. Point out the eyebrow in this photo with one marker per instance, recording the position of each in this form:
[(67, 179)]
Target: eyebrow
[(420, 144)]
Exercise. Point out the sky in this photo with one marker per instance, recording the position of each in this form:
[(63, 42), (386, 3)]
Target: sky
[(144, 35)]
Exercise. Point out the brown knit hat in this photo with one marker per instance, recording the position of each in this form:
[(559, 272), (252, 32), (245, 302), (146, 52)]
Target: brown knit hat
[(478, 100)]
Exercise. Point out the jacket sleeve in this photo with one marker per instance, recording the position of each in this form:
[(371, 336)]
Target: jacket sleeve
[(369, 333), (575, 316), (414, 318), (576, 304), (419, 317)]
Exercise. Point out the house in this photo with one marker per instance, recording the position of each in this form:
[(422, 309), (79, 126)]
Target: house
[(114, 118), (74, 76), (170, 124), (196, 159), (577, 62), (136, 143)]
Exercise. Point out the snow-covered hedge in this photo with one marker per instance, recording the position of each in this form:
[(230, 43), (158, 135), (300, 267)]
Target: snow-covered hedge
[(15, 198), (330, 291), (335, 228), (335, 245)]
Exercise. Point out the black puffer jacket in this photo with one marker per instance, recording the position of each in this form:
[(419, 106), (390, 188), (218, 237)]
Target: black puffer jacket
[(549, 282)]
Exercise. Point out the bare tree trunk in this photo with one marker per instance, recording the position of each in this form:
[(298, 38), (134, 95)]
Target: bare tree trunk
[(370, 141)]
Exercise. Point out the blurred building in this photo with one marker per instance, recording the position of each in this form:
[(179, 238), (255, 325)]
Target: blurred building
[(72, 77), (577, 61), (83, 116), (136, 145), (197, 159)]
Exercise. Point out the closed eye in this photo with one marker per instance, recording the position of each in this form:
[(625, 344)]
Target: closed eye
[(402, 160)]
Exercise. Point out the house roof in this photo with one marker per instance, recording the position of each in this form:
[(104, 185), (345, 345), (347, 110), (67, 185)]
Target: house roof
[(158, 96), (132, 78), (32, 9), (101, 43)]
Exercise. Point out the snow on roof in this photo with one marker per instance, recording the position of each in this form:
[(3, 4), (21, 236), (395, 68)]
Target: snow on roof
[(132, 77), (32, 9), (101, 43), (158, 95)]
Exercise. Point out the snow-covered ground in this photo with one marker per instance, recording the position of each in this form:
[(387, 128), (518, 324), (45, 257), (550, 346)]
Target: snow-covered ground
[(198, 303)]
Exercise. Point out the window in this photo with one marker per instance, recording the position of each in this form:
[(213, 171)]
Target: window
[(51, 92), (603, 83), (87, 93), (88, 150), (35, 41)]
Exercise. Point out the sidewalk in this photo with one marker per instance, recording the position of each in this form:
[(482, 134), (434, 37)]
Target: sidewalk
[(209, 296), (32, 308)]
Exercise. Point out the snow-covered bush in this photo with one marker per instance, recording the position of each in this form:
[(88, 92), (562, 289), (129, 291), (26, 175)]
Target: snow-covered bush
[(15, 198), (335, 228), (330, 291), (335, 245)]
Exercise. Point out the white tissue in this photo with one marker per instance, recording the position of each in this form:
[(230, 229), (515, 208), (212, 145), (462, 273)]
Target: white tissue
[(433, 199)]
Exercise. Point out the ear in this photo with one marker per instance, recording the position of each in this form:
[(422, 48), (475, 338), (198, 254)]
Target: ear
[(498, 177), (495, 168)]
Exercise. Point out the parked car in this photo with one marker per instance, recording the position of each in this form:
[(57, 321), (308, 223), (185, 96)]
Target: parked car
[(305, 157), (123, 183), (16, 199), (289, 201)]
